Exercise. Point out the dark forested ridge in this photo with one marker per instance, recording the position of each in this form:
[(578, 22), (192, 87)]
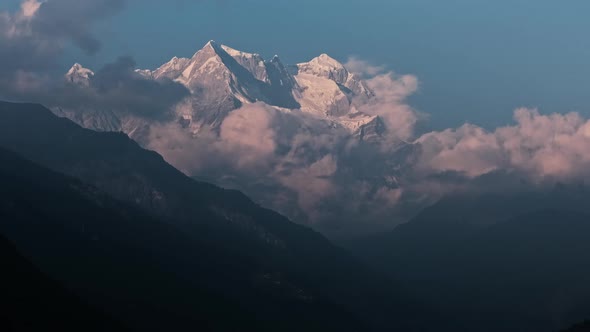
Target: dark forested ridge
[(170, 247)]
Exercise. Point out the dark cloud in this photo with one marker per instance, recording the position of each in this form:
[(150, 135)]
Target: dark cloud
[(72, 20), (115, 87), (118, 86), (33, 38)]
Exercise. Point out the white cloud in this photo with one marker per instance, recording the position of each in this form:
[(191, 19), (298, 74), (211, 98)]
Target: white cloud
[(248, 135), (30, 7), (363, 68), (391, 91), (285, 158), (540, 146)]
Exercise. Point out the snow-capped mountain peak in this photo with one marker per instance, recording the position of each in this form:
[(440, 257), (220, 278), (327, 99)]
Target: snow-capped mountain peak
[(170, 69), (307, 126), (79, 75), (325, 66), (252, 62), (222, 79), (236, 53)]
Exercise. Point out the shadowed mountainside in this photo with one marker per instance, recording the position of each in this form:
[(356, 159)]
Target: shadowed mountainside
[(582, 327), (141, 271), (496, 262), (31, 301), (265, 247)]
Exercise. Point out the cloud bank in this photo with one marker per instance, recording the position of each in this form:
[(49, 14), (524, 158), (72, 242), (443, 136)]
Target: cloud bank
[(299, 164), (338, 182), (541, 146)]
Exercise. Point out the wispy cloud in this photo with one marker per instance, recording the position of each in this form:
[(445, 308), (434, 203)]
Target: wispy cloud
[(390, 93)]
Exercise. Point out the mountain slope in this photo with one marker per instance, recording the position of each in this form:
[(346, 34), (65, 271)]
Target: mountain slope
[(31, 301), (288, 254), (498, 262), (582, 327), (144, 272)]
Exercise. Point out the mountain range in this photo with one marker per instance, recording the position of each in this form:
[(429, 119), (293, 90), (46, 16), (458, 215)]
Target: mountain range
[(107, 206), (112, 229), (221, 79), (292, 137)]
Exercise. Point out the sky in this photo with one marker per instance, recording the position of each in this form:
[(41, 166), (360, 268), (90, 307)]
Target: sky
[(476, 60)]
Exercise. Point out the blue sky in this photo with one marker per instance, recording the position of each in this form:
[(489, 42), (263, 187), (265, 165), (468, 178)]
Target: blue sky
[(477, 60)]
